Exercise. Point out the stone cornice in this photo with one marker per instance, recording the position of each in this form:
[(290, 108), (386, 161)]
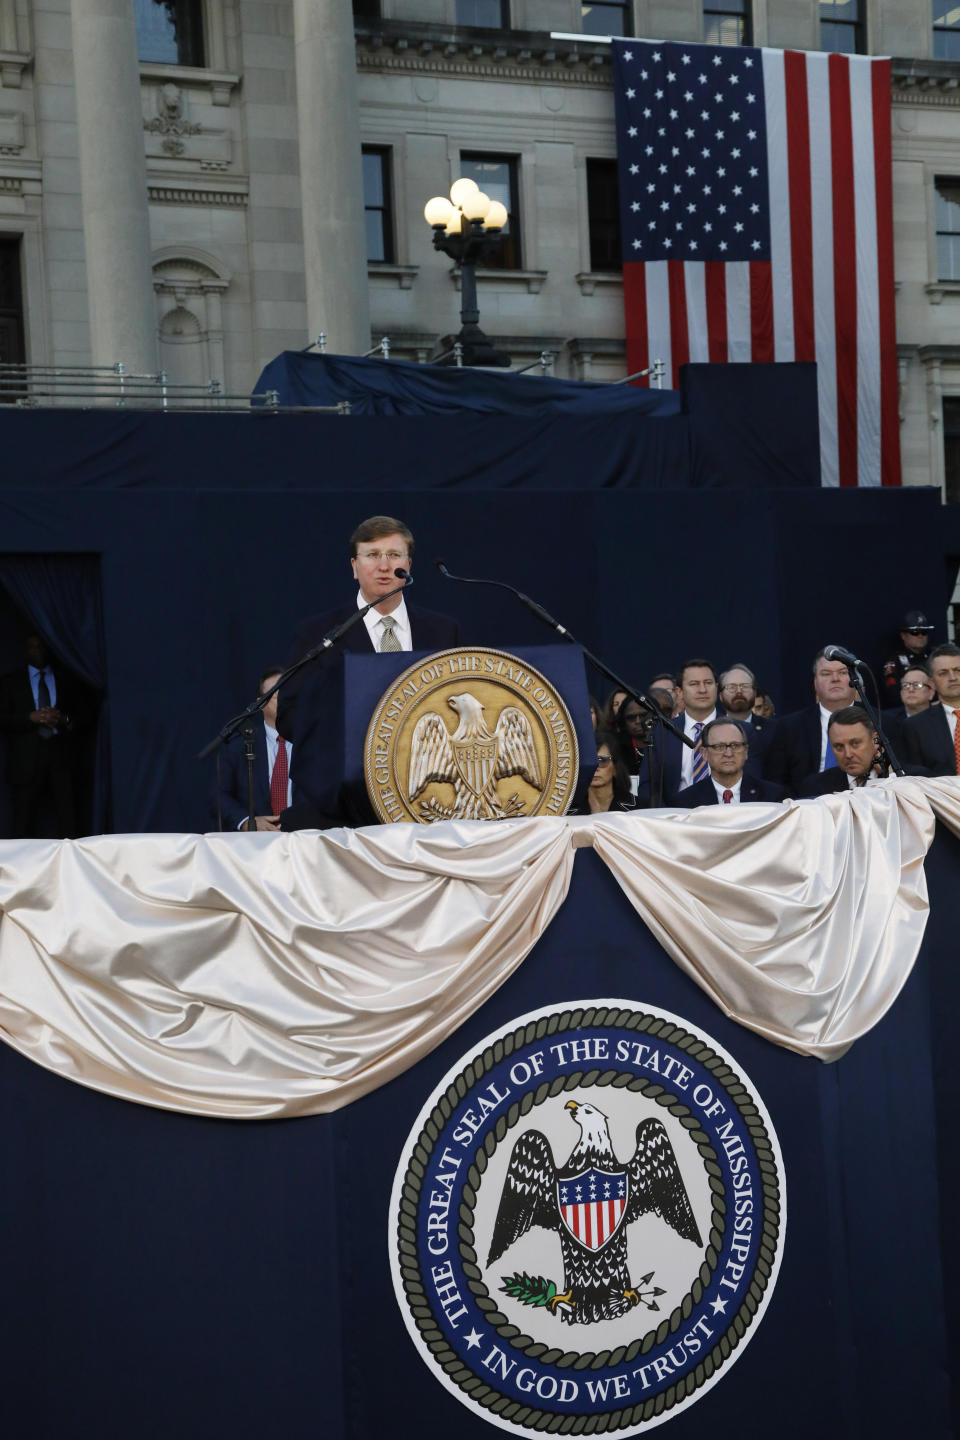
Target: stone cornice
[(926, 82), (523, 56)]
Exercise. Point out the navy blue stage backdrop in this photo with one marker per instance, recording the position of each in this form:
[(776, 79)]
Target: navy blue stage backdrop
[(651, 537), (169, 1275)]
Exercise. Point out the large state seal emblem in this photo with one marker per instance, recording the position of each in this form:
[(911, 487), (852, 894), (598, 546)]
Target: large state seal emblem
[(472, 734), (587, 1220)]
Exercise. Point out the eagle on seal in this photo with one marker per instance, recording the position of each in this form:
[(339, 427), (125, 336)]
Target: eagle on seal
[(472, 759), (589, 1202)]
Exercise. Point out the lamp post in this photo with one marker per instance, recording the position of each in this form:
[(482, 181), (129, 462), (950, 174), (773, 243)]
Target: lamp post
[(467, 227)]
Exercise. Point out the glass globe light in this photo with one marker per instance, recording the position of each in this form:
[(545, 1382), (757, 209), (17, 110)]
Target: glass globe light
[(476, 205), (460, 189), (437, 210), (496, 216)]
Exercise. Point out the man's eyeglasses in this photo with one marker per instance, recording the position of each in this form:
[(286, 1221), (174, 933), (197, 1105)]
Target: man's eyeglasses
[(727, 685), (915, 685), (727, 745), (916, 632), (393, 557)]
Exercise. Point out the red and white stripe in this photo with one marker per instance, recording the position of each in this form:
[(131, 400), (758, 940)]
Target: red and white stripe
[(826, 294), (593, 1222)]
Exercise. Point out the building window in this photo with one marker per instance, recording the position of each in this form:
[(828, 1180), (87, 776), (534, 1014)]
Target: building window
[(378, 204), (601, 17), (603, 212), (12, 348), (946, 30), (841, 27), (484, 14), (170, 32), (497, 177), (727, 22), (366, 9), (951, 449), (948, 229)]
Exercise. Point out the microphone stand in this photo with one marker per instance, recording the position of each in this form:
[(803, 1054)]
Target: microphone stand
[(856, 681), (653, 714), (244, 721)]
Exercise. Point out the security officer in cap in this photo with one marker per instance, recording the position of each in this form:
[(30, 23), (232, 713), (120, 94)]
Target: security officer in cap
[(914, 647)]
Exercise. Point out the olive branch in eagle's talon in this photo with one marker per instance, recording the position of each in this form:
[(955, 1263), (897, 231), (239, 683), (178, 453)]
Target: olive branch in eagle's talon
[(535, 1290)]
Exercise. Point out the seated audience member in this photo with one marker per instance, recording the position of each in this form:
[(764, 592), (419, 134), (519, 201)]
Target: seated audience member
[(930, 740), (675, 765), (272, 790), (610, 785), (913, 648), (629, 732), (666, 680), (738, 691), (725, 744), (763, 705), (917, 693), (854, 743), (664, 698), (799, 746), (611, 709)]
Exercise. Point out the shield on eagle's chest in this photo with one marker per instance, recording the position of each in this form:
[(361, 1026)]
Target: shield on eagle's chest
[(476, 761), (592, 1205)]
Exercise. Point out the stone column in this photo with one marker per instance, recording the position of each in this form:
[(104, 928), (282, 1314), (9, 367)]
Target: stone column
[(331, 182), (113, 180)]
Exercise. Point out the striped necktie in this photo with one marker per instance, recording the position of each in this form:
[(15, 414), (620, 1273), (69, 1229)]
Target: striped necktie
[(700, 767)]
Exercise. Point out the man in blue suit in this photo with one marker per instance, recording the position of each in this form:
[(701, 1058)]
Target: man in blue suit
[(311, 704), (272, 790), (725, 744)]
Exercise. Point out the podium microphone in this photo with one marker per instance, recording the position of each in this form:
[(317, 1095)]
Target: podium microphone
[(402, 574)]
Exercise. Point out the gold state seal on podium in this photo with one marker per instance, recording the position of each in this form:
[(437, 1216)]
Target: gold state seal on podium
[(470, 734)]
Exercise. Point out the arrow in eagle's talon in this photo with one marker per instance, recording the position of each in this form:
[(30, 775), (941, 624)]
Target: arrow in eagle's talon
[(566, 1298)]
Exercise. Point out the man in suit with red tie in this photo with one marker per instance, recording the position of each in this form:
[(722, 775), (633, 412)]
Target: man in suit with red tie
[(931, 739), (272, 790), (41, 713), (725, 745)]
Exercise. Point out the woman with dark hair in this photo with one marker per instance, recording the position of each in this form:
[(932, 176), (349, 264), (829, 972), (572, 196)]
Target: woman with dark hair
[(611, 707), (610, 787), (594, 711)]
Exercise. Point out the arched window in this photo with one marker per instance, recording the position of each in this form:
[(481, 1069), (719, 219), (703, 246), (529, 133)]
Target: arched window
[(170, 32)]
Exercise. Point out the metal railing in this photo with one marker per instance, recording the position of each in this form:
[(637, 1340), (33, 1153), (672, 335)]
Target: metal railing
[(32, 387)]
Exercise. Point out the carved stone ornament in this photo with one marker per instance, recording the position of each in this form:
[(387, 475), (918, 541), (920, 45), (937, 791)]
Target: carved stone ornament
[(170, 122)]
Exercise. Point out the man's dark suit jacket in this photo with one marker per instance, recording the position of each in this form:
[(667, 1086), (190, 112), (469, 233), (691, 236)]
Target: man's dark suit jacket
[(752, 789), (926, 741), (794, 751), (828, 782), (36, 765), (668, 753), (760, 729), (233, 780), (310, 715)]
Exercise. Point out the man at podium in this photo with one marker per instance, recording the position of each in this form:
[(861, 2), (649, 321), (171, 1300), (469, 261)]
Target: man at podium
[(380, 547)]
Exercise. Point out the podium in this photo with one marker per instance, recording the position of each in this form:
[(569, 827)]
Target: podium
[(336, 703)]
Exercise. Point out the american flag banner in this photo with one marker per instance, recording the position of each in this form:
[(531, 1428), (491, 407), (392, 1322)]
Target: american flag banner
[(757, 223)]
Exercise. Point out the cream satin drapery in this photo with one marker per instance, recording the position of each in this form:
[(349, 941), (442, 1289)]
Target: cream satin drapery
[(277, 975)]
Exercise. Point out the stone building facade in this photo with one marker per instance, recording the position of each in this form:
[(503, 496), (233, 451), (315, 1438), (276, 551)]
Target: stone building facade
[(182, 184)]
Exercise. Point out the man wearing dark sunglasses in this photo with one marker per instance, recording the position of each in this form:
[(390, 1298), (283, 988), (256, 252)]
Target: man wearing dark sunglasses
[(914, 648)]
